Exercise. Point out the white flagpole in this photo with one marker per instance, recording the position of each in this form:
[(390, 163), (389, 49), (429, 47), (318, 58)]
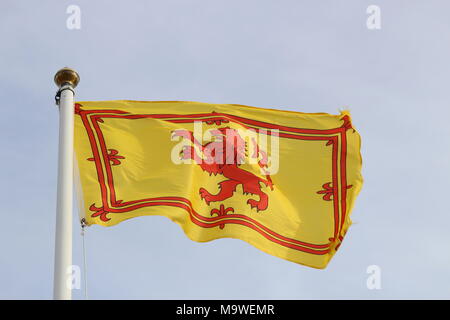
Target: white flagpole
[(66, 79)]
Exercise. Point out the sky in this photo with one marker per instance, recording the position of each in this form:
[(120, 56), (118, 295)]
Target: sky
[(308, 56)]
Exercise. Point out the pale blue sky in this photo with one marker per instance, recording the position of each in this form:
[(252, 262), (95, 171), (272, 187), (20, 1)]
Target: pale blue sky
[(310, 56)]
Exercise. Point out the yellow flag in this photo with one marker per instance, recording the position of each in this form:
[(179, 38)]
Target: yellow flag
[(283, 181)]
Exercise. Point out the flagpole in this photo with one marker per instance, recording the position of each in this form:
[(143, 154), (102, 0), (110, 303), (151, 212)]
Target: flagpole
[(66, 79)]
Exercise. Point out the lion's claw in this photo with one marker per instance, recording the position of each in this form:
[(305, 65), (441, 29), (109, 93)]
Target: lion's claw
[(256, 204), (204, 194)]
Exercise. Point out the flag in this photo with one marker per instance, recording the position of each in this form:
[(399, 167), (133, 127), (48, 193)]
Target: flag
[(282, 181)]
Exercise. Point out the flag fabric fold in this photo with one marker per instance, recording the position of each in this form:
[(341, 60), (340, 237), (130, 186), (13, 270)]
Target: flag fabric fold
[(282, 181)]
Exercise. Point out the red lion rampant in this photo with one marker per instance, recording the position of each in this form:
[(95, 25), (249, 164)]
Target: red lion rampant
[(223, 156)]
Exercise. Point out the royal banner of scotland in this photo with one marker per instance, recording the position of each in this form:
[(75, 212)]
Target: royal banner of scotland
[(282, 181)]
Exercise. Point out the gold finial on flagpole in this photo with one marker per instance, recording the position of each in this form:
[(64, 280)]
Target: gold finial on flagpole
[(67, 75)]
